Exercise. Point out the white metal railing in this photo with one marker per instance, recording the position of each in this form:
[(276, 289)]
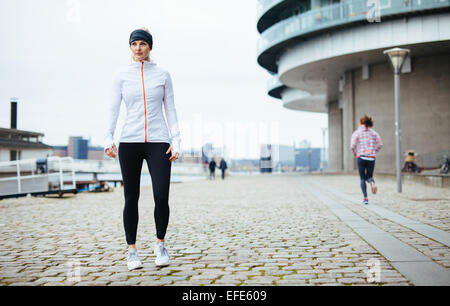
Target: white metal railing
[(37, 181), (112, 166)]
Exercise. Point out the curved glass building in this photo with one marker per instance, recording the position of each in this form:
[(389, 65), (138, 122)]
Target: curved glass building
[(327, 56)]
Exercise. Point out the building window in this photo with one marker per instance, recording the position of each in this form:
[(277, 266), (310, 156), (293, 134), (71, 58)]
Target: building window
[(12, 155)]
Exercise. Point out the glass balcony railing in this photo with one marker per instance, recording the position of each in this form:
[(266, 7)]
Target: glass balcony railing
[(274, 82), (265, 5), (338, 14), (274, 86)]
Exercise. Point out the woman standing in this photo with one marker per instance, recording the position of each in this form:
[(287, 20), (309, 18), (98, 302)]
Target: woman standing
[(365, 145), (146, 90)]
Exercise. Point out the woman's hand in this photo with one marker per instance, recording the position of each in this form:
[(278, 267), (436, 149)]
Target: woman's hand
[(174, 156), (112, 153)]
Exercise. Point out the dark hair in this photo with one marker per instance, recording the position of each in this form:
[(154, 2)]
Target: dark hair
[(367, 121)]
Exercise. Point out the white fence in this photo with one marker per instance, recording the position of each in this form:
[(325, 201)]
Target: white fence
[(112, 166), (46, 175), (36, 175)]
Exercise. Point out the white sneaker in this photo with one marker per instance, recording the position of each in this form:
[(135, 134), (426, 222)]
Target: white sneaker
[(133, 261), (162, 256)]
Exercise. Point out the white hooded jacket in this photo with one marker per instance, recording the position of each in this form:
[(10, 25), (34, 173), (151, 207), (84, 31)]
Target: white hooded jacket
[(146, 89)]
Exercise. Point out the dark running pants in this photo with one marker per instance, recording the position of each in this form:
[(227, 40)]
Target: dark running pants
[(131, 157), (365, 168)]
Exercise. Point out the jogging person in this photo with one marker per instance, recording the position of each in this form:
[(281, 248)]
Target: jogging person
[(365, 144), (147, 92)]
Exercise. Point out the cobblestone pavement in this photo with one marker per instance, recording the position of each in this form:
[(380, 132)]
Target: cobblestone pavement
[(246, 230)]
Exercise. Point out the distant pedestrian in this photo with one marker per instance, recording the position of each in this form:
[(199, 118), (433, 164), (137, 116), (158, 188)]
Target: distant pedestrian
[(212, 169), (365, 144), (147, 92), (223, 167)]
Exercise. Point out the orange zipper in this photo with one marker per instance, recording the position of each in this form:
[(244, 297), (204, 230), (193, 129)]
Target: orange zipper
[(145, 102)]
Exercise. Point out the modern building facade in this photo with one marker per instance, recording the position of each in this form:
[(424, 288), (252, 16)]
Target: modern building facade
[(327, 56), (79, 148), (308, 159)]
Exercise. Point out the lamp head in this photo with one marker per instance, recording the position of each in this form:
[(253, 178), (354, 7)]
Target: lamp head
[(397, 57)]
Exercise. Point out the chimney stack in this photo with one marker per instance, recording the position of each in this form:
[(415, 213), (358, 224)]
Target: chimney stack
[(14, 112)]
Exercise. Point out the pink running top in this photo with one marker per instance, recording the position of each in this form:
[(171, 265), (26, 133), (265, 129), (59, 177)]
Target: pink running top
[(366, 142)]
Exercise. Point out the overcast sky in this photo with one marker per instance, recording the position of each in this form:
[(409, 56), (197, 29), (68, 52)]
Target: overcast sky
[(59, 56)]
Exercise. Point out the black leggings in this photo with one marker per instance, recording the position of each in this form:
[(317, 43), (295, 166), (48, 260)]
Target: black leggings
[(131, 157), (365, 168)]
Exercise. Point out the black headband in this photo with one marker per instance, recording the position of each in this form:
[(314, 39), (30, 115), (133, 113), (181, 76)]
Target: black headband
[(142, 35)]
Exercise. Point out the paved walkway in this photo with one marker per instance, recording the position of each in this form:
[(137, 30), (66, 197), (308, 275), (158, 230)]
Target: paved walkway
[(247, 230)]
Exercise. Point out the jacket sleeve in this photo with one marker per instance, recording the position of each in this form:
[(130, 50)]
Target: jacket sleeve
[(378, 142), (171, 114), (113, 111), (354, 141)]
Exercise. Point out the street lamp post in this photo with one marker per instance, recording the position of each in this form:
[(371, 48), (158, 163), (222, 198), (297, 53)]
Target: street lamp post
[(397, 58), (324, 130)]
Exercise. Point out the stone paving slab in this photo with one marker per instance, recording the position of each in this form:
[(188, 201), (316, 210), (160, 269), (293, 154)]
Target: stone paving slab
[(426, 204), (418, 268), (246, 230), (436, 250)]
